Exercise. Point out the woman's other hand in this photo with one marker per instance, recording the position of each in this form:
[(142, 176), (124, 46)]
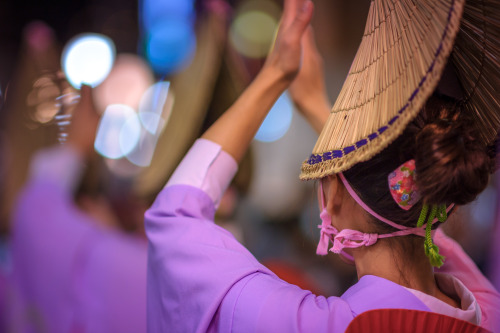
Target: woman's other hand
[(82, 131), (308, 90)]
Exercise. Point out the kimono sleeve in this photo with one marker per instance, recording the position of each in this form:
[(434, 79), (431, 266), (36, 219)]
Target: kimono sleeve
[(460, 265), (200, 278)]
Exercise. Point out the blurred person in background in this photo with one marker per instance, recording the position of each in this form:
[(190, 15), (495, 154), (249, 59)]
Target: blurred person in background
[(201, 279), (69, 248), (17, 142), (73, 270)]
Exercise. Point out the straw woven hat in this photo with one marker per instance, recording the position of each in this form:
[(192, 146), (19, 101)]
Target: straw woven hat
[(402, 56)]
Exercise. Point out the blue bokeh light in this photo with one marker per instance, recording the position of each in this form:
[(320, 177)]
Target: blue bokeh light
[(170, 45), (167, 33), (277, 121), (155, 11), (88, 59)]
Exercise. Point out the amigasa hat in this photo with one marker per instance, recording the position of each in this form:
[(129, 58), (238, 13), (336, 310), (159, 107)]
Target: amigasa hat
[(401, 58)]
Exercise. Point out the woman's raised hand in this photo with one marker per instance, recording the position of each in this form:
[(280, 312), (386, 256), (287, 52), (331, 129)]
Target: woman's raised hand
[(235, 129), (286, 54), (308, 90)]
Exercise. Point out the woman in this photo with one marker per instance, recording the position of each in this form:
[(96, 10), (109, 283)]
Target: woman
[(201, 279)]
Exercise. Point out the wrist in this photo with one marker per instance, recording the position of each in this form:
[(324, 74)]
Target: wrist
[(274, 79)]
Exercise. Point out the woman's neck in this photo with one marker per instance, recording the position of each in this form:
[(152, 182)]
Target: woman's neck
[(411, 271)]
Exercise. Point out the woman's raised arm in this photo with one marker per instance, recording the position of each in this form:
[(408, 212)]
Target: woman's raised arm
[(235, 129)]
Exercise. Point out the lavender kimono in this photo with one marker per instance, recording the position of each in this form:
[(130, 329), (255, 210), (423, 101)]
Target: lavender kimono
[(69, 275), (201, 279)]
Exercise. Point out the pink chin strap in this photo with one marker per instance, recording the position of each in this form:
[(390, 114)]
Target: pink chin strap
[(348, 238)]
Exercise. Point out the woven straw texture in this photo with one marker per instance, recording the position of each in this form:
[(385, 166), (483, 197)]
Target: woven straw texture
[(403, 52), (476, 58)]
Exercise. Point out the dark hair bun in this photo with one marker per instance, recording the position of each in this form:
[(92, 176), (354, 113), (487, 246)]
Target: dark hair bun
[(452, 165)]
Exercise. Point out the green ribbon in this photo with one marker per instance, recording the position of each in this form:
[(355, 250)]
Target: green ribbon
[(431, 249)]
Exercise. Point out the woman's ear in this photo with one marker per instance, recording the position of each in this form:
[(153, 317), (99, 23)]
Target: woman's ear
[(334, 195)]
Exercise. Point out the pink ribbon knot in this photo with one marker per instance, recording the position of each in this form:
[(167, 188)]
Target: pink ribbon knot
[(348, 238), (325, 236)]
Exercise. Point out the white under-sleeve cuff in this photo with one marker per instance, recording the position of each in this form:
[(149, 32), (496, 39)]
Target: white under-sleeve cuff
[(208, 167)]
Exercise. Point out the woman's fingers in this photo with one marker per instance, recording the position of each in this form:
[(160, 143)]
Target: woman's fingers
[(286, 53), (301, 21), (292, 9), (295, 23)]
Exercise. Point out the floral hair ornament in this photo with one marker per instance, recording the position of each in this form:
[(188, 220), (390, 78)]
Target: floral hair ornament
[(403, 185)]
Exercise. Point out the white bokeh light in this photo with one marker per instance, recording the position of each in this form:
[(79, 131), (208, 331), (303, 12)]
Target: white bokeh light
[(156, 106), (88, 59), (155, 109), (118, 133), (125, 84)]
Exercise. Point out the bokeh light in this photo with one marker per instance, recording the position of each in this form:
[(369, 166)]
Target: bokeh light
[(143, 154), (154, 111), (170, 45), (277, 121), (52, 100), (125, 84), (154, 11), (43, 99), (66, 103), (151, 121), (118, 132), (88, 59), (252, 31), (168, 36), (156, 106)]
